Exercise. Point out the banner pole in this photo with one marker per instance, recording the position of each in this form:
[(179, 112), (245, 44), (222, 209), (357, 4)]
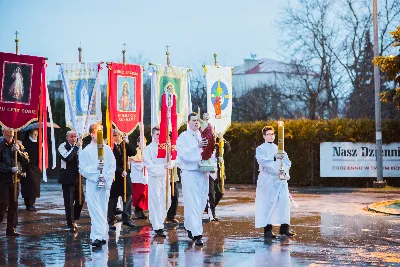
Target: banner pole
[(123, 142), (79, 174), (221, 148), (16, 136)]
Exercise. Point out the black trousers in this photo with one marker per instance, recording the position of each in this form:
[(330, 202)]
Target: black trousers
[(174, 202), (126, 208), (7, 200), (71, 202), (214, 193)]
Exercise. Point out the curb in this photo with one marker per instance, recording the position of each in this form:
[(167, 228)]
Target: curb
[(381, 207)]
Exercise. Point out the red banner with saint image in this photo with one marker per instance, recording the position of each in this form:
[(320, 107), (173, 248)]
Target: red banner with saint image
[(125, 96), (20, 89)]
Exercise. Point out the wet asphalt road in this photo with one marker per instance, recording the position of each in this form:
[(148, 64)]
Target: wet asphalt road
[(333, 229)]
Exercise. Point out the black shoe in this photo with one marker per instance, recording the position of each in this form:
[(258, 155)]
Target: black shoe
[(103, 242), (12, 232), (118, 212), (138, 215), (284, 230), (268, 232), (112, 226), (215, 218), (31, 208), (198, 242), (160, 233), (129, 223), (172, 220), (190, 235), (143, 215), (97, 243)]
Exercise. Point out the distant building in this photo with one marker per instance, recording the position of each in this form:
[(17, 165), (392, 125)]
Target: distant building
[(259, 72), (288, 87)]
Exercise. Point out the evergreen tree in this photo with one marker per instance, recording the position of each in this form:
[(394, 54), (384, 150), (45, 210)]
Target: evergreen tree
[(361, 100), (390, 65)]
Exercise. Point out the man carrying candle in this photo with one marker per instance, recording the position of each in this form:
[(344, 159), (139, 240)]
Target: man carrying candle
[(96, 196), (272, 193)]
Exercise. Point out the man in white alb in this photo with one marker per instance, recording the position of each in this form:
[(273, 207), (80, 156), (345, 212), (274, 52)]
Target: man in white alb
[(194, 182), (272, 194)]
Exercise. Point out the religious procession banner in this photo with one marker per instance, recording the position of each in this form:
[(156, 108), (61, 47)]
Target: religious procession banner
[(219, 97), (82, 95), (20, 89), (125, 97), (24, 98), (175, 80)]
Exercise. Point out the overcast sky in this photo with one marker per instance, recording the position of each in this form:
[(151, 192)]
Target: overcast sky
[(194, 30)]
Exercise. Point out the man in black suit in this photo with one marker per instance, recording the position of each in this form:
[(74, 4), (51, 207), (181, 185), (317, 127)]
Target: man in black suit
[(68, 152), (117, 187)]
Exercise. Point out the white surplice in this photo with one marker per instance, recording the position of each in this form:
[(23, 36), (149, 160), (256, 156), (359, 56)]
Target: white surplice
[(272, 194), (194, 182), (157, 186), (138, 174), (97, 198)]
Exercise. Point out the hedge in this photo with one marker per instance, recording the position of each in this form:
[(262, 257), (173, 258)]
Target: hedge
[(302, 139)]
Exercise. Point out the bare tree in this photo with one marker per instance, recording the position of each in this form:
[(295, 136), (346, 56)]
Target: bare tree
[(265, 102), (355, 52), (198, 90), (312, 33)]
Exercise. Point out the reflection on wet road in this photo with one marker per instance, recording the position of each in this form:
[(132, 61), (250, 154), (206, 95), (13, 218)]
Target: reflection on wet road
[(332, 229)]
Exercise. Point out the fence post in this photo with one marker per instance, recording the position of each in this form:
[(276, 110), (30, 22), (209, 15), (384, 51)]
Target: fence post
[(312, 162)]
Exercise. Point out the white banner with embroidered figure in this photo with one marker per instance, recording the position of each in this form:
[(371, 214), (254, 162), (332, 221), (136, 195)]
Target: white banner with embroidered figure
[(219, 97), (82, 95), (175, 80)]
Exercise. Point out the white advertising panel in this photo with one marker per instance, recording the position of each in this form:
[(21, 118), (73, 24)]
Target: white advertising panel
[(346, 159)]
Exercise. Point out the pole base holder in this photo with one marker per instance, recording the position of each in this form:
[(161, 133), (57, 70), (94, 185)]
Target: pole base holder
[(379, 184)]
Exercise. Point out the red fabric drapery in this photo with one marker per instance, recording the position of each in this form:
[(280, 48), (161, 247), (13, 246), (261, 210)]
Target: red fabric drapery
[(162, 145)]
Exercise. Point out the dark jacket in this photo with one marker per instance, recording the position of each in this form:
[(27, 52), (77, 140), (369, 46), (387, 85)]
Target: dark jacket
[(69, 170), (117, 187), (7, 162), (30, 185)]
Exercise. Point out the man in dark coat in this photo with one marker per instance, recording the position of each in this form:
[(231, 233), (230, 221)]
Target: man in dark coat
[(7, 171), (117, 187), (30, 186), (68, 152)]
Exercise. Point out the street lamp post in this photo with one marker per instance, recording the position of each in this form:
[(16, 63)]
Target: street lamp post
[(377, 83)]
